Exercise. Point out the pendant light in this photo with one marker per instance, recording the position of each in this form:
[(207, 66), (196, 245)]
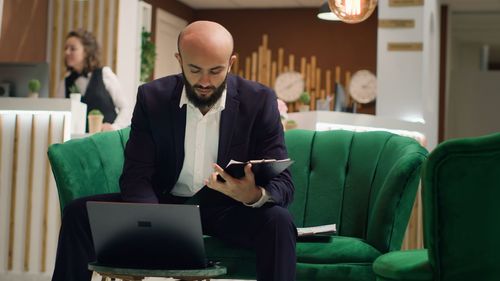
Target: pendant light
[(325, 13), (352, 11)]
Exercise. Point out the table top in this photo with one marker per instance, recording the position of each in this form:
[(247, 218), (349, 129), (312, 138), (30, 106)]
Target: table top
[(211, 271)]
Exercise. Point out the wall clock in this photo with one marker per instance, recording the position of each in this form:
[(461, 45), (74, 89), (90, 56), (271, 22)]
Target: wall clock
[(363, 86), (289, 85)]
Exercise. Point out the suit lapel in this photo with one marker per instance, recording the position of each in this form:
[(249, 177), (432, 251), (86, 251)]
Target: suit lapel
[(227, 121), (178, 127)]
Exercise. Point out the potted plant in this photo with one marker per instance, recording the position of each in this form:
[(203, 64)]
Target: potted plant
[(95, 118), (304, 100), (74, 93), (148, 56), (73, 89), (34, 87), (291, 124)]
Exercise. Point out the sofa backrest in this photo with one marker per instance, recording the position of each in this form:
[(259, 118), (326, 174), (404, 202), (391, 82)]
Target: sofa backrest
[(88, 166), (365, 182), (460, 195)]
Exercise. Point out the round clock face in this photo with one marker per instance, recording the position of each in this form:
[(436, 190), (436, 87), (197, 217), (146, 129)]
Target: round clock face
[(363, 86), (289, 86)]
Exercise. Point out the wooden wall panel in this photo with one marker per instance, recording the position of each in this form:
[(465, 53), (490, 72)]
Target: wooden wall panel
[(24, 31), (300, 32)]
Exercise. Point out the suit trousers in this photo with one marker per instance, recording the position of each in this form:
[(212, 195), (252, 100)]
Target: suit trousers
[(269, 230)]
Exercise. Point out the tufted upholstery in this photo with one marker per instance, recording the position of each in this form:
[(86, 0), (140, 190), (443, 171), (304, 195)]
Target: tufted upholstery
[(364, 182)]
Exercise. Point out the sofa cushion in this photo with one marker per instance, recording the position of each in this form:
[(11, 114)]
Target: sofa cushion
[(404, 265), (338, 249), (335, 249)]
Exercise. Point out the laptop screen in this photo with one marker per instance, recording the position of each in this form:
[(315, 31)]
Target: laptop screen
[(147, 236)]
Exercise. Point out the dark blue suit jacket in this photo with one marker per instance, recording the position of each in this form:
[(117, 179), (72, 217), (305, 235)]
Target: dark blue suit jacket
[(250, 128)]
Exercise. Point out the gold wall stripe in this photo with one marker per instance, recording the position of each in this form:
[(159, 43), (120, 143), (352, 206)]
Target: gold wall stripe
[(105, 38), (27, 241), (85, 24), (115, 32), (65, 32), (405, 3), (12, 223), (404, 47), (97, 20), (46, 201), (54, 54), (76, 14), (384, 23)]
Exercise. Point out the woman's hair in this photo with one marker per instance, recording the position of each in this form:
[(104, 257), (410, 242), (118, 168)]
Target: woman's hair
[(90, 47)]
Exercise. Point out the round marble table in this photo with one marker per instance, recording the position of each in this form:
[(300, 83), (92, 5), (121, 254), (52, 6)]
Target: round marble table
[(133, 274)]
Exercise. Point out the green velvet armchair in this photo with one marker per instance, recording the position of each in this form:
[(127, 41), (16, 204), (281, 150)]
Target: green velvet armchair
[(364, 182), (460, 194)]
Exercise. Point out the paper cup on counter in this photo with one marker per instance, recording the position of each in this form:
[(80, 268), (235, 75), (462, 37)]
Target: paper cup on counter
[(95, 123)]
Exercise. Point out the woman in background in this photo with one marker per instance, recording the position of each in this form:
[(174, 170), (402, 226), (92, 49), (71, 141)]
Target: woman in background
[(98, 85)]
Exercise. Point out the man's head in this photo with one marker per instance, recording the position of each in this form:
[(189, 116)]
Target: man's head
[(205, 55)]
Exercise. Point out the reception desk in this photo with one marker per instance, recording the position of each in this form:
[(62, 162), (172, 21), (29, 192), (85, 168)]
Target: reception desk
[(29, 207)]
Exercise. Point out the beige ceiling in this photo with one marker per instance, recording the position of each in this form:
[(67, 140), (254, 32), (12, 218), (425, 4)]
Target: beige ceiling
[(462, 5), (256, 4)]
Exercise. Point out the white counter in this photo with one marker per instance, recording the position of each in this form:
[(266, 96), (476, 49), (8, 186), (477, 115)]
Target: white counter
[(331, 120), (29, 207)]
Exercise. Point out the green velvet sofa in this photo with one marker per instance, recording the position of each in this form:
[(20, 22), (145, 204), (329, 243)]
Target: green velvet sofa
[(460, 196), (365, 182)]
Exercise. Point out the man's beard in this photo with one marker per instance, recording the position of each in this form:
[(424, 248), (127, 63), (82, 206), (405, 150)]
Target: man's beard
[(203, 102)]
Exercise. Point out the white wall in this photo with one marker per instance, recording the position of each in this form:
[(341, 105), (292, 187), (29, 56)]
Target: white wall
[(128, 47), (408, 80), (473, 96)]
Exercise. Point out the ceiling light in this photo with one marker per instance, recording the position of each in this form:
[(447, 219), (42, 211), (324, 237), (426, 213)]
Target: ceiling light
[(352, 11), (325, 13)]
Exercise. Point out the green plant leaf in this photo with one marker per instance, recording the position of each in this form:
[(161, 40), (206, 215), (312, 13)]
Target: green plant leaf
[(148, 56), (74, 89), (95, 112), (34, 85)]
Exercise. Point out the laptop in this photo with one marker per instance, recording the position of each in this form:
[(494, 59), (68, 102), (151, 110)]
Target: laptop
[(147, 236)]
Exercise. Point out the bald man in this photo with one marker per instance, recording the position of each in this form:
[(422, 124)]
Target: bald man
[(184, 129)]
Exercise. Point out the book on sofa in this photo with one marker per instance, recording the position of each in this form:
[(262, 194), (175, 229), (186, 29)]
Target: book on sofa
[(320, 229), (264, 169)]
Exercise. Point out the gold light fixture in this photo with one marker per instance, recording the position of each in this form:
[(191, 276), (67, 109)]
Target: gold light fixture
[(352, 11)]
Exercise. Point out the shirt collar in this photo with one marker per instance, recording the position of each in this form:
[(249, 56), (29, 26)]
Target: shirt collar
[(218, 106)]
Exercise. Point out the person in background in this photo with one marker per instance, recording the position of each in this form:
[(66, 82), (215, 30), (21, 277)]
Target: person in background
[(98, 85)]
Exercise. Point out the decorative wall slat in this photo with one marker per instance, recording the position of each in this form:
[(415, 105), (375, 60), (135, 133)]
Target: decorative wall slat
[(12, 223), (115, 32), (29, 205)]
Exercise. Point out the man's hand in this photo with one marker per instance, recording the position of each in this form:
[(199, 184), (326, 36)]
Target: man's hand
[(243, 189)]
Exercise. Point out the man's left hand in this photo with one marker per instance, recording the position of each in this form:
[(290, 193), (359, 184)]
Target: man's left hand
[(243, 189)]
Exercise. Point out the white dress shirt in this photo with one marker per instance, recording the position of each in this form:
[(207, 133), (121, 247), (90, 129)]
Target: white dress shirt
[(201, 146), (122, 104)]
